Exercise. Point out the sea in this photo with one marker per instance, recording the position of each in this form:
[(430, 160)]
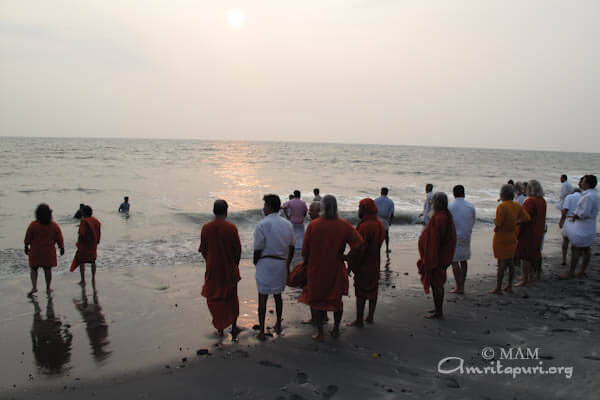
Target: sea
[(172, 185)]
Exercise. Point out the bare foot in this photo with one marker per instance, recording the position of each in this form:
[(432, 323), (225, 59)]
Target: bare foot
[(31, 292), (369, 320), (521, 283), (454, 290), (434, 316), (81, 283), (508, 289), (335, 332), (356, 323), (318, 336), (220, 332), (235, 331), (261, 336), (278, 328), (496, 291)]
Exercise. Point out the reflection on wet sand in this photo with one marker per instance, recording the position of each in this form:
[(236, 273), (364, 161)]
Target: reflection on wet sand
[(51, 340), (95, 324), (387, 273)]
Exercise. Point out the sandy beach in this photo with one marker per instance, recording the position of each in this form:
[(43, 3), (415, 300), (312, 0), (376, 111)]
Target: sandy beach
[(146, 334)]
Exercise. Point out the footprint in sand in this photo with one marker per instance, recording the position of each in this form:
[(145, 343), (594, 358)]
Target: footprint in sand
[(301, 378), (330, 391)]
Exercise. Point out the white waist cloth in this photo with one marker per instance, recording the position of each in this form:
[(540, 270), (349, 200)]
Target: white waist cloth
[(581, 233), (271, 275), (298, 235), (463, 250)]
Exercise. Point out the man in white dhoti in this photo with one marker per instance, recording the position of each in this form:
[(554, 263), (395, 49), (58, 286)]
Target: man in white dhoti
[(582, 232), (426, 214), (385, 212), (565, 190), (566, 218), (273, 252), (463, 214), (296, 210)]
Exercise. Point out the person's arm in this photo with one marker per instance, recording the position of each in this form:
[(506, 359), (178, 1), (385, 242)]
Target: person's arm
[(27, 240), (59, 240), (237, 247), (259, 244), (289, 257), (99, 232), (203, 248), (306, 244), (584, 209), (563, 217)]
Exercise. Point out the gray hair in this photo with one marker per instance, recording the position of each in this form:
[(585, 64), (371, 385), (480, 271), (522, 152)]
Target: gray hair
[(329, 209), (534, 188), (439, 201)]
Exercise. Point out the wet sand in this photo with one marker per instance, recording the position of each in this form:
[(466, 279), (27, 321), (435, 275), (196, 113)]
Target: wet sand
[(146, 332)]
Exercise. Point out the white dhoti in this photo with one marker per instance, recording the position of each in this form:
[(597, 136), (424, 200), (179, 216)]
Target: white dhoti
[(271, 275), (298, 235), (463, 250), (582, 233)]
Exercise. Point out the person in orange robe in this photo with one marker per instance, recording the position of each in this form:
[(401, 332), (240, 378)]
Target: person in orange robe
[(323, 251), (41, 239), (366, 261), (221, 248), (509, 214), (436, 248), (87, 244), (531, 233)]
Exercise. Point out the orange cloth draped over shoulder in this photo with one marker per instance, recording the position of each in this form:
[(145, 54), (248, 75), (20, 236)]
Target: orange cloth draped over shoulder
[(87, 242), (323, 247), (436, 248), (221, 248), (42, 241), (531, 233), (508, 214), (365, 263)]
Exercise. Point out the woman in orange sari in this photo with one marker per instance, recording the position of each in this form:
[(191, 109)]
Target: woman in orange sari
[(436, 248), (41, 239), (531, 233), (508, 215)]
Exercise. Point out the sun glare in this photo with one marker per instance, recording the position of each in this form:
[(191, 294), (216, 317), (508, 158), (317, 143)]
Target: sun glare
[(236, 17)]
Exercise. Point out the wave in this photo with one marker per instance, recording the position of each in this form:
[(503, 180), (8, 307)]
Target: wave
[(28, 191), (253, 216)]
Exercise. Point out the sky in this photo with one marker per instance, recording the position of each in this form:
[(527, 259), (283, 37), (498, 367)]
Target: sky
[(517, 74)]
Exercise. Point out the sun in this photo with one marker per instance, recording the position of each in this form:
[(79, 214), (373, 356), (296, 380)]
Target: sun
[(236, 17)]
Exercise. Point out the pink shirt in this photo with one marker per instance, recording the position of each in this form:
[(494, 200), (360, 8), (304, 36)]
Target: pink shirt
[(298, 210)]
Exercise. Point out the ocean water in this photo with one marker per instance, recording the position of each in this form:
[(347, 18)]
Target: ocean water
[(172, 185)]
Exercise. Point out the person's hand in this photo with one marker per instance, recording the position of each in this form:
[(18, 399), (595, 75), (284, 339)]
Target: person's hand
[(26, 250), (62, 251), (560, 224)]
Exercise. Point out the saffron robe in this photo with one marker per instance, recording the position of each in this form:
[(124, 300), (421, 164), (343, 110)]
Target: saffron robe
[(531, 233), (508, 214), (436, 248), (42, 241), (323, 247), (87, 242), (366, 263), (221, 248)]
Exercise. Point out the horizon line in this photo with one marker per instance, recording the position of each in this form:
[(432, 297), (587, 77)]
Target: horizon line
[(298, 142)]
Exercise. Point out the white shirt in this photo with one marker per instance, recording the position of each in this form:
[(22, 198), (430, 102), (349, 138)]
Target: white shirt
[(582, 232), (463, 214), (570, 203), (521, 199), (427, 207), (273, 235), (565, 190), (385, 209)]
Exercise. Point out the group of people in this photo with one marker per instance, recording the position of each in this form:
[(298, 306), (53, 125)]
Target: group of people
[(519, 229), (43, 235)]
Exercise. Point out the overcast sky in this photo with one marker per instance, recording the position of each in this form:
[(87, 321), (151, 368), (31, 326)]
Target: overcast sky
[(481, 73)]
